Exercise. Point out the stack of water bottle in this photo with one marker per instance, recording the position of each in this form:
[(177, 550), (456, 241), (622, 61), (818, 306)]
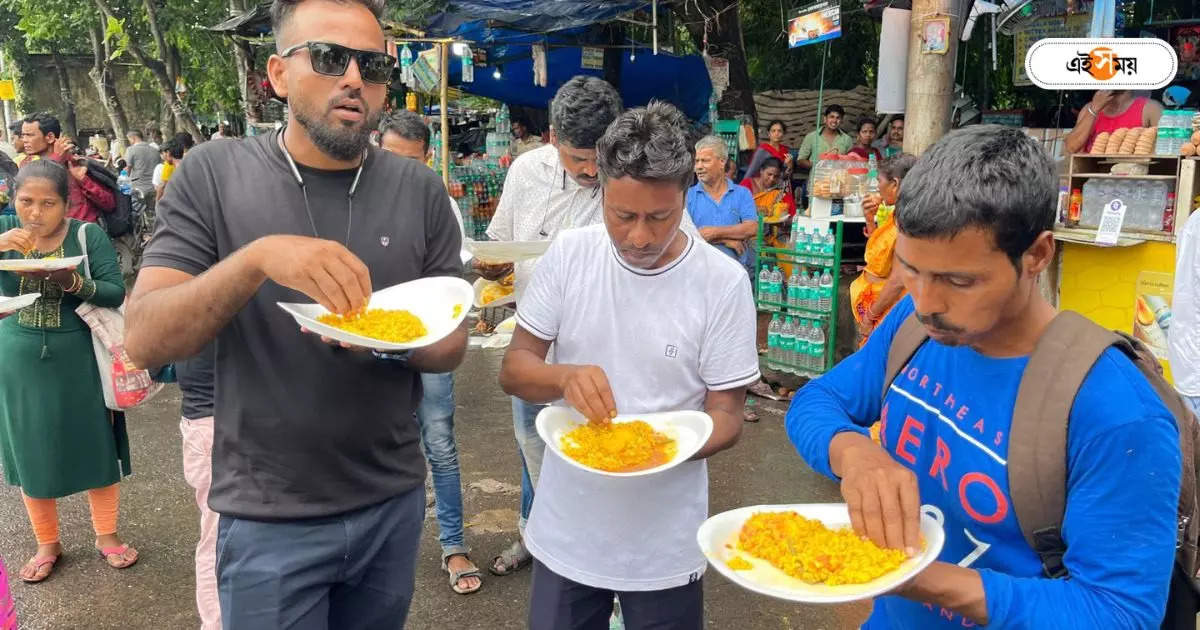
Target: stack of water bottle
[(796, 345), (812, 249), (802, 292), (1174, 130), (1145, 201)]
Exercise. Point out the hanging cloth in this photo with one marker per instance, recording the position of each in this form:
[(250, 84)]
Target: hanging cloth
[(540, 72)]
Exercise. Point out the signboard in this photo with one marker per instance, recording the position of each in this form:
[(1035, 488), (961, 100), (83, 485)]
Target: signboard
[(1042, 28), (593, 59), (8, 91), (1152, 310), (815, 23)]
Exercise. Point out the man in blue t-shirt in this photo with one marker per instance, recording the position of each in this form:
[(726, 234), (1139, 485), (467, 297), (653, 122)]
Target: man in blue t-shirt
[(974, 217), (723, 211)]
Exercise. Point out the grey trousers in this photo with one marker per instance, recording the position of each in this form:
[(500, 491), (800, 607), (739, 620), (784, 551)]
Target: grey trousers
[(352, 571)]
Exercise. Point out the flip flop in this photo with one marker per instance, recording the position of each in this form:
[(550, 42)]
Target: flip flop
[(455, 576), (107, 553), (38, 562), (513, 559)]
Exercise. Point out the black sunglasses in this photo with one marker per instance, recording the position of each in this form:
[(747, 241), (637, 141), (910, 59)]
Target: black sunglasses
[(332, 60)]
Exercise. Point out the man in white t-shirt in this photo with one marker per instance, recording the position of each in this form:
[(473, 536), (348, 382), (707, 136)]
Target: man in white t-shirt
[(644, 317), (1183, 338)]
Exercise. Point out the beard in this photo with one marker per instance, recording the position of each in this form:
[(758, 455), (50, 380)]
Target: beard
[(339, 140)]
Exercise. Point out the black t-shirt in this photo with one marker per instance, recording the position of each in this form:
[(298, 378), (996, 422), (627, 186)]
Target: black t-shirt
[(197, 383), (304, 429)]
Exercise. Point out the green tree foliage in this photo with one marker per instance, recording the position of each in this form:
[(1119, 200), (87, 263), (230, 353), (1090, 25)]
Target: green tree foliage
[(852, 61)]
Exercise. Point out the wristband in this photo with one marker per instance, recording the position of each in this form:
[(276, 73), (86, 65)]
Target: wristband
[(401, 357), (1092, 111)]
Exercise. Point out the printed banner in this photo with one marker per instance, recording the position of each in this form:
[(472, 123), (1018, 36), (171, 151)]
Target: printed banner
[(815, 23)]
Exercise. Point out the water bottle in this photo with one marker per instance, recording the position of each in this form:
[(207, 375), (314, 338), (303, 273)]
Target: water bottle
[(830, 242), (802, 347), (773, 341), (814, 292), (795, 290), (787, 338), (1158, 218), (764, 284), (124, 183), (777, 287), (825, 301), (817, 349), (1089, 200)]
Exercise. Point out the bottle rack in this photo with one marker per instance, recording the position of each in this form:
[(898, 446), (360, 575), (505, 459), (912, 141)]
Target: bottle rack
[(776, 256)]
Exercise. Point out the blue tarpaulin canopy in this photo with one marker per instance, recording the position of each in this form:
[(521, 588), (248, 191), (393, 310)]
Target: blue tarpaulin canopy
[(508, 28)]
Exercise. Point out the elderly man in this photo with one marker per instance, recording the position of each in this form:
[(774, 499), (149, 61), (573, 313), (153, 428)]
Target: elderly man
[(722, 211), (593, 539), (317, 471)]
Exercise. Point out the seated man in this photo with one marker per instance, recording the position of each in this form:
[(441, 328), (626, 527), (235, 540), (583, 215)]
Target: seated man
[(974, 217), (599, 296), (723, 212)]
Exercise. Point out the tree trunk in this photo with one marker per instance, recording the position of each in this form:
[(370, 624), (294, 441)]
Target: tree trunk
[(158, 68), (101, 75), (69, 126), (930, 80), (166, 118), (243, 57), (725, 41)]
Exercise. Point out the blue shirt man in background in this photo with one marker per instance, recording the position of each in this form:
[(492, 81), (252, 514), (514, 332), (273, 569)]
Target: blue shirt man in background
[(975, 216), (722, 211)]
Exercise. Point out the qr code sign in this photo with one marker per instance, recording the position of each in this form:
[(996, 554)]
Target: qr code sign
[(1111, 222)]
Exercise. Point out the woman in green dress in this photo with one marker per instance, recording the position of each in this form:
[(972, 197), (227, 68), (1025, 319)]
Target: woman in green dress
[(56, 436)]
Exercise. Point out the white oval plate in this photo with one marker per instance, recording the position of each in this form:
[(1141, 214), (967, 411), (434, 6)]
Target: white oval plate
[(40, 264), (689, 429), (431, 299), (722, 529), (478, 288), (14, 304), (500, 252)]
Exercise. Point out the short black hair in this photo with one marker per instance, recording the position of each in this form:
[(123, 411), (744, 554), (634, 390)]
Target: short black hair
[(185, 140), (777, 122), (406, 124), (835, 109), (46, 123), (43, 169), (14, 127), (986, 176), (648, 144), (899, 117), (173, 148), (770, 162), (281, 11), (582, 110), (897, 166), (865, 120)]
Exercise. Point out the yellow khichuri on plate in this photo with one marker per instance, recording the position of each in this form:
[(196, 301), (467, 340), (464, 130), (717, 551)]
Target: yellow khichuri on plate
[(807, 550), (394, 326), (618, 446)]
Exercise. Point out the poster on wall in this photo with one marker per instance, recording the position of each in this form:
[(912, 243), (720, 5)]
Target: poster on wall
[(1152, 310), (1042, 28), (1186, 40), (815, 23), (592, 59)]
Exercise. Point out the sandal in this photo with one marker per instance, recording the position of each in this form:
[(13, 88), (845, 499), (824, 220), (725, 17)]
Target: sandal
[(117, 557), (511, 560), (37, 562), (455, 576)]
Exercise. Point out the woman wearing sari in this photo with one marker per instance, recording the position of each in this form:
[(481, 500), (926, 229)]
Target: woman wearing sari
[(878, 288), (772, 148), (774, 204)]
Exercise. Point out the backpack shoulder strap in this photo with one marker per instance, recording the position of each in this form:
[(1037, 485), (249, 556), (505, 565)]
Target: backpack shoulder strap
[(904, 345), (83, 249), (1037, 462)]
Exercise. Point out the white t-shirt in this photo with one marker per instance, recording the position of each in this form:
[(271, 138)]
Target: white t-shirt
[(462, 229), (664, 337), (157, 177), (1183, 336)]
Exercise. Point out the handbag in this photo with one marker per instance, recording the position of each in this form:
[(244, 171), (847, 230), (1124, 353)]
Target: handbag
[(124, 384)]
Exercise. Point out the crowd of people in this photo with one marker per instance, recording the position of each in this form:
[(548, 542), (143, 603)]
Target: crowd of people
[(308, 523)]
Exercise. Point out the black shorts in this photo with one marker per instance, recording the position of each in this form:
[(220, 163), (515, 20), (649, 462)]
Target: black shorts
[(557, 603)]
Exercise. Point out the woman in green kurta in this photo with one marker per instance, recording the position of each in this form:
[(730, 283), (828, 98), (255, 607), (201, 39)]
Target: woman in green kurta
[(56, 436)]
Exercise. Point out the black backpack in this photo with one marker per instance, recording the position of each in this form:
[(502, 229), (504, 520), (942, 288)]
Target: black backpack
[(119, 222)]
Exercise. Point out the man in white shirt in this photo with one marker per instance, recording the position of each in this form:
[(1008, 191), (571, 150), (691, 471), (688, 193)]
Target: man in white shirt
[(547, 190), (1183, 337), (644, 317)]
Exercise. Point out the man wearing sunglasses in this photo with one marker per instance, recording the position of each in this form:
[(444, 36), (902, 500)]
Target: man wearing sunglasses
[(317, 471)]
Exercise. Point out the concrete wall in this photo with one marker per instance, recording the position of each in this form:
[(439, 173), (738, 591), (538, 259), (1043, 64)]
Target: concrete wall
[(141, 105)]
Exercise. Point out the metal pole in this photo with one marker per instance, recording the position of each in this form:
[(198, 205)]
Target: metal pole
[(445, 80), (654, 23), (821, 87), (7, 114)]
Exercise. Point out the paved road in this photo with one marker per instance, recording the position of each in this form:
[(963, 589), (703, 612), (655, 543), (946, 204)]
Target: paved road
[(159, 517)]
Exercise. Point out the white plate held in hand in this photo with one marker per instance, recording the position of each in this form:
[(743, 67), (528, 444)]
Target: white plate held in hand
[(40, 264), (723, 529), (14, 304), (477, 292), (689, 429), (433, 300), (500, 252)]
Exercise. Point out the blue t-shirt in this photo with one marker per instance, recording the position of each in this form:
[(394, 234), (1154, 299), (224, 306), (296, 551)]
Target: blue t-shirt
[(735, 206), (947, 416)]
